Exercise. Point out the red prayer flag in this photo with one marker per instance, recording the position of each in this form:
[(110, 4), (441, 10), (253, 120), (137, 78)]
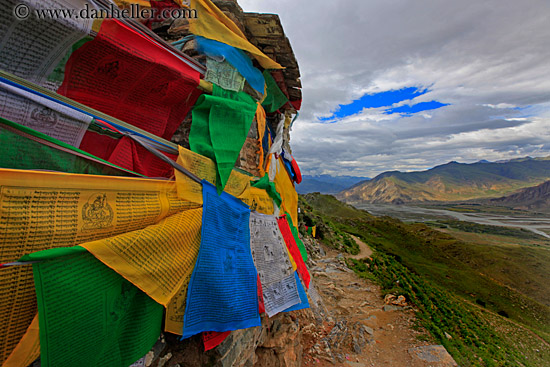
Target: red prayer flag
[(126, 153), (212, 339), (159, 6), (126, 75), (261, 305), (297, 104), (293, 249)]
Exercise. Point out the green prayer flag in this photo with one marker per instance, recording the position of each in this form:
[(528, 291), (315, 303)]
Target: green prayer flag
[(221, 122), (275, 98), (299, 242), (88, 314), (264, 183), (25, 148)]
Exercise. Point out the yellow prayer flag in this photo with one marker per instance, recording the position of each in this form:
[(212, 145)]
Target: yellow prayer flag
[(42, 210), (127, 3), (205, 169), (212, 23), (288, 121), (28, 348), (237, 185), (173, 320), (259, 200), (294, 266), (285, 188), (156, 259)]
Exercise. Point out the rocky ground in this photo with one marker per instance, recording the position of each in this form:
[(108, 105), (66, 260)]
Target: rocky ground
[(349, 324), (353, 325)]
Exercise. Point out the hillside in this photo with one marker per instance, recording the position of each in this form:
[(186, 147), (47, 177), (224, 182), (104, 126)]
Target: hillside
[(530, 198), (327, 184), (451, 182), (481, 295)]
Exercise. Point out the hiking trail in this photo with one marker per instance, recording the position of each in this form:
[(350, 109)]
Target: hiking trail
[(361, 328)]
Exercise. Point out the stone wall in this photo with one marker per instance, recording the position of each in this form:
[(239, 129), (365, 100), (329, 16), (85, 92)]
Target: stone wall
[(280, 341)]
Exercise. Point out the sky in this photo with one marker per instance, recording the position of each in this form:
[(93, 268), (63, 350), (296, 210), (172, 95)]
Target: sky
[(408, 85)]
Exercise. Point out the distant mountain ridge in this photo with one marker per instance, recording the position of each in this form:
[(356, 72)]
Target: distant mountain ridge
[(530, 198), (452, 181), (327, 184)]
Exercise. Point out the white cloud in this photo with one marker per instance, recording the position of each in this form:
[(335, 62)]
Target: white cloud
[(500, 105), (488, 59)]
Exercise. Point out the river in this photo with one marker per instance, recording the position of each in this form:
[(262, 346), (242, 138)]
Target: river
[(407, 213)]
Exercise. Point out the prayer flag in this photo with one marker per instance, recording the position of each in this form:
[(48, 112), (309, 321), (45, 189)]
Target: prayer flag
[(140, 83), (265, 184), (222, 294), (220, 125), (235, 57), (238, 183), (274, 98), (297, 239), (273, 265), (88, 314), (212, 339), (43, 210), (212, 23), (293, 249), (304, 303), (287, 191), (25, 148), (157, 259)]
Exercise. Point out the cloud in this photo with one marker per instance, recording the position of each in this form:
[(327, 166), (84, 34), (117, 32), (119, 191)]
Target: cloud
[(488, 60), (415, 108)]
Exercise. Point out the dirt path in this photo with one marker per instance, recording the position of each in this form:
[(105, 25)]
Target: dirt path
[(360, 329), (364, 249)]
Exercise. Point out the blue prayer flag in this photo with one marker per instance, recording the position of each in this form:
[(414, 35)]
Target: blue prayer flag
[(304, 303), (235, 57), (222, 293)]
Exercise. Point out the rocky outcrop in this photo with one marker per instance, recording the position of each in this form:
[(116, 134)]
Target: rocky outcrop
[(436, 354), (278, 342)]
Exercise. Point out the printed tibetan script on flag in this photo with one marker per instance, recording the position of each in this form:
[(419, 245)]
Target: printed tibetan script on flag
[(222, 293), (272, 262)]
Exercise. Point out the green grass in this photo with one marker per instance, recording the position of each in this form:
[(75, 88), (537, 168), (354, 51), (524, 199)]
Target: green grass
[(474, 340), (329, 205), (469, 270)]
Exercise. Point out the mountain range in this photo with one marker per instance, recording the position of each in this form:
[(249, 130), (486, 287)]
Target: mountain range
[(451, 182), (327, 184)]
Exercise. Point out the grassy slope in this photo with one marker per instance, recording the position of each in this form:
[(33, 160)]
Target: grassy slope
[(504, 278), (521, 262), (473, 336)]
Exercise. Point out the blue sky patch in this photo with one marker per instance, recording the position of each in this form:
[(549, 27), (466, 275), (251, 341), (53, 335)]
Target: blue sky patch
[(419, 107), (385, 99)]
